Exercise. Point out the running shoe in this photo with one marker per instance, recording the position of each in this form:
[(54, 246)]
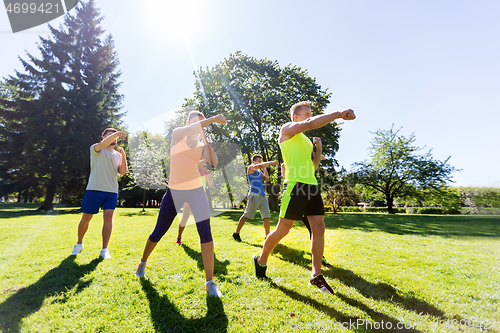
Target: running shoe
[(105, 254), (178, 241), (77, 249), (260, 271), (326, 263), (320, 282), (236, 237), (141, 270), (212, 289)]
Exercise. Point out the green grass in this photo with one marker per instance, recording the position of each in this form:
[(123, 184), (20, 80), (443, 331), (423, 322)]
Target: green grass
[(428, 270)]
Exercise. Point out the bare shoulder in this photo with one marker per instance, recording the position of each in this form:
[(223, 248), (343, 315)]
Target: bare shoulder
[(286, 126), (177, 134), (284, 135)]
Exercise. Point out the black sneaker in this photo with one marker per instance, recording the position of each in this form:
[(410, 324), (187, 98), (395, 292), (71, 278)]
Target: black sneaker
[(319, 281), (260, 272), (236, 237), (326, 263)]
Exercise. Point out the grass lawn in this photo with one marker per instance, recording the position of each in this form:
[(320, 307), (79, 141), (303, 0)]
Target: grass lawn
[(431, 273)]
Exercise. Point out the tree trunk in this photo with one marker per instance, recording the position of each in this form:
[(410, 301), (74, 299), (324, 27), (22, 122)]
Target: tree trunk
[(390, 204), (144, 201), (209, 198), (228, 187), (273, 192), (49, 194)]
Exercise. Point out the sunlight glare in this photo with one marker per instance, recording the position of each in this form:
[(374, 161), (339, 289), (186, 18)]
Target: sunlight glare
[(174, 21)]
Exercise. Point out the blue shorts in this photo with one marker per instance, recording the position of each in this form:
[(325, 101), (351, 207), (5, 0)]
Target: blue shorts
[(92, 200)]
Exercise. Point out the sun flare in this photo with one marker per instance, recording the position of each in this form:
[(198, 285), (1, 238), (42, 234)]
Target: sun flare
[(175, 21)]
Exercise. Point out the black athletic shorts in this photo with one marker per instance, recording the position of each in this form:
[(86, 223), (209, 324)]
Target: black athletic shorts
[(301, 199)]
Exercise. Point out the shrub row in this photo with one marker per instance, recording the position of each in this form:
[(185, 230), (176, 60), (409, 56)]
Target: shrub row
[(419, 210)]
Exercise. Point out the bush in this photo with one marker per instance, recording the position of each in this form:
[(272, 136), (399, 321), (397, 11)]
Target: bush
[(349, 209), (411, 210), (430, 210), (479, 211), (451, 211), (376, 210)]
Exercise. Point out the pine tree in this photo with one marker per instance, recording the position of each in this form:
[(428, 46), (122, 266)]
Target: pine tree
[(65, 100)]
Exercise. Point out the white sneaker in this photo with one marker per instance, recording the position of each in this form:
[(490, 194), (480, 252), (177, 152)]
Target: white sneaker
[(105, 254), (77, 249), (212, 289), (141, 270)]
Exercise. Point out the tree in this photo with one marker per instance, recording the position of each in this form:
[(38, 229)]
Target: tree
[(341, 193), (147, 167), (256, 96), (63, 102), (396, 170)]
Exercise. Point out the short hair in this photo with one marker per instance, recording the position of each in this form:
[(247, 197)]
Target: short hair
[(297, 106), (109, 129), (194, 113), (256, 156)]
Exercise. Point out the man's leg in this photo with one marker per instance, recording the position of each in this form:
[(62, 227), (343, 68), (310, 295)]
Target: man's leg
[(308, 226), (317, 242), (241, 222), (265, 214), (83, 226), (282, 229), (107, 226), (267, 225), (250, 210)]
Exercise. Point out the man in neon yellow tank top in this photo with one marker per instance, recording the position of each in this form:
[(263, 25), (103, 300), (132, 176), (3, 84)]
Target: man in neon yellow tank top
[(301, 193)]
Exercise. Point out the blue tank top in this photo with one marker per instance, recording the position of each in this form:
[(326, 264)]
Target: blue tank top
[(256, 184)]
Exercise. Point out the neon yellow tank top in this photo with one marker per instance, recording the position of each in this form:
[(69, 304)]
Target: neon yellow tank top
[(297, 153)]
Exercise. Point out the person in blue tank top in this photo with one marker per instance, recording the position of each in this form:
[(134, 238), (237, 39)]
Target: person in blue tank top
[(256, 196)]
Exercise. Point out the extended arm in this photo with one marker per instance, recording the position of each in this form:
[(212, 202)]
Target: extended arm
[(253, 167), (181, 132), (293, 128), (107, 140)]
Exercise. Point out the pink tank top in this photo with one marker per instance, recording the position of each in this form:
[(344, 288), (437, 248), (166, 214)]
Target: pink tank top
[(184, 174)]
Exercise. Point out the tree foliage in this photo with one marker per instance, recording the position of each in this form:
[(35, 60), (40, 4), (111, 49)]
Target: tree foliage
[(256, 95), (395, 168), (63, 100), (147, 168), (342, 193)]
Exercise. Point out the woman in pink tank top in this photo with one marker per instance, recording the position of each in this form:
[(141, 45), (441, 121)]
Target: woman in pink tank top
[(189, 146)]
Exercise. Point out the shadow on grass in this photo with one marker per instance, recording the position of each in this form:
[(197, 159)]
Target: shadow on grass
[(403, 224), (56, 282), (21, 212), (383, 292), (434, 225), (220, 267), (138, 213), (375, 291), (340, 317), (167, 318)]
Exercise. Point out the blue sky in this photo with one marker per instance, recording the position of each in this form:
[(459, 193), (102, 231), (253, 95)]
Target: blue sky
[(431, 67)]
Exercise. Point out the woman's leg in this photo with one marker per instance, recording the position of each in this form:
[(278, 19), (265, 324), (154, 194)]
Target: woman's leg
[(165, 218), (186, 211)]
